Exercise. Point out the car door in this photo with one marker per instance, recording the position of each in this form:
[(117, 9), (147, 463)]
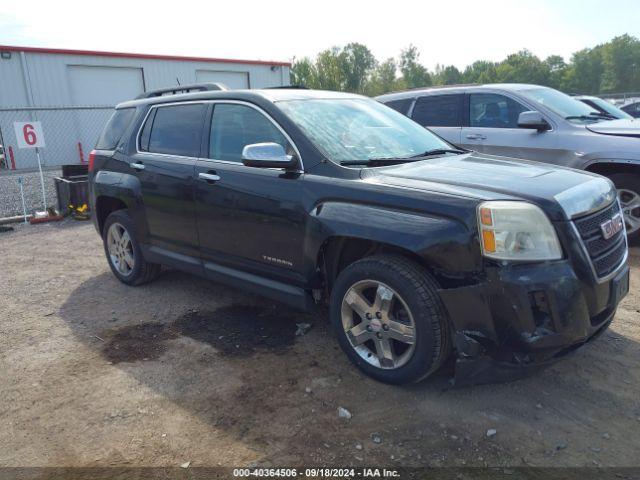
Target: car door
[(249, 219), (493, 128), (168, 145), (442, 114)]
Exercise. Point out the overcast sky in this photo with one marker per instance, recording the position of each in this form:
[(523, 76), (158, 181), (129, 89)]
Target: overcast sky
[(446, 32)]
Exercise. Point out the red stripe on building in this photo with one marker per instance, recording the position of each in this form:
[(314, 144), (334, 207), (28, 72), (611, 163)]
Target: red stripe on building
[(63, 51)]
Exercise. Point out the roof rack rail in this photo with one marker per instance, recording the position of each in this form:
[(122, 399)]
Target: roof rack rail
[(196, 87), (296, 87)]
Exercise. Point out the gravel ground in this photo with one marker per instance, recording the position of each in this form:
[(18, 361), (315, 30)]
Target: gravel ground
[(95, 373), (10, 200)]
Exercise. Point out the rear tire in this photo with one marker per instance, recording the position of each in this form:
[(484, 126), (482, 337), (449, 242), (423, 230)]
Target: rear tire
[(123, 250), (628, 186), (389, 319)]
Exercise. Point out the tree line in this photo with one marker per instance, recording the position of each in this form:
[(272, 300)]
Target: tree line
[(612, 67)]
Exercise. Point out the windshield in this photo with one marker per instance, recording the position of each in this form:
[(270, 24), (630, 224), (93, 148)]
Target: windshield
[(562, 104), (609, 108), (358, 129)]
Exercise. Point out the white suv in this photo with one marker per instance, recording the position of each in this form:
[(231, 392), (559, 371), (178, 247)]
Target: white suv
[(535, 123)]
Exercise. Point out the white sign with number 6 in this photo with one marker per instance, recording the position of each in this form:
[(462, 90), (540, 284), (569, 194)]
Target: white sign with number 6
[(29, 134)]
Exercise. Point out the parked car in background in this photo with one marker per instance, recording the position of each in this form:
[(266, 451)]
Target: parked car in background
[(420, 250), (608, 109), (632, 109), (536, 123)]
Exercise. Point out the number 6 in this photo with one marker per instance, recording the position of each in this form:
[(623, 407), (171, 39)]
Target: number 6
[(29, 134)]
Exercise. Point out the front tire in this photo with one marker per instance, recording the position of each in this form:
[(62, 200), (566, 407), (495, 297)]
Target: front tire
[(123, 251), (628, 186), (389, 319)]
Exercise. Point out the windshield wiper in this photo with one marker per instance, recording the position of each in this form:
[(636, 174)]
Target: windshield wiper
[(591, 116), (396, 160), (378, 161), (440, 151), (604, 115)]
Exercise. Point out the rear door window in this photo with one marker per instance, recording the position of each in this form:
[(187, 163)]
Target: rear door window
[(176, 130), (115, 128), (439, 110), (492, 110)]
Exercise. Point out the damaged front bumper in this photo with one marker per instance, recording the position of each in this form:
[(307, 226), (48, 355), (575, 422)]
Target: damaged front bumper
[(523, 318)]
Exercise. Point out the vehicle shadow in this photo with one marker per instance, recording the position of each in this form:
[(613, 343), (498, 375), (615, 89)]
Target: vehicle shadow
[(252, 369)]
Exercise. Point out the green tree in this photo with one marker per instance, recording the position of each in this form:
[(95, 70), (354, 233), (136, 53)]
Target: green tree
[(356, 63), (448, 75), (383, 78), (329, 70), (480, 71), (413, 73), (611, 67), (522, 67), (303, 73), (557, 67), (584, 73), (620, 64)]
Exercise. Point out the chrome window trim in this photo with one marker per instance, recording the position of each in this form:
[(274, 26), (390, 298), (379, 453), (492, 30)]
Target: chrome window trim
[(223, 101)]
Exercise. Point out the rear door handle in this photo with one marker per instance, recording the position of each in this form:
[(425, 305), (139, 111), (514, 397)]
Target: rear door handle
[(210, 177), (137, 165), (476, 136)]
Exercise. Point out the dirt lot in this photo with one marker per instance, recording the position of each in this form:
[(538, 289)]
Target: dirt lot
[(94, 373)]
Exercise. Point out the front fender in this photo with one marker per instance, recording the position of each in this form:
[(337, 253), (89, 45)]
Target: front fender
[(447, 245), (611, 159)]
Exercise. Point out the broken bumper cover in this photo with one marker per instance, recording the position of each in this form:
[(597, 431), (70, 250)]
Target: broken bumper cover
[(525, 317)]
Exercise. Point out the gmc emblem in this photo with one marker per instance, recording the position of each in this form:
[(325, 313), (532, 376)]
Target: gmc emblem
[(611, 227)]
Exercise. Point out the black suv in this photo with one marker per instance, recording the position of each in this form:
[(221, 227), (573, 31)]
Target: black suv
[(422, 251)]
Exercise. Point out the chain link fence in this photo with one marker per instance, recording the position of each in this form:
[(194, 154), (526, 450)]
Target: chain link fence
[(69, 132)]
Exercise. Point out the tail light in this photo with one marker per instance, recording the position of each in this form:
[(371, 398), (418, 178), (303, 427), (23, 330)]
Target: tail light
[(92, 158)]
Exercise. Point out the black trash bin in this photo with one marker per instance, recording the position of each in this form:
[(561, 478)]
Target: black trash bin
[(72, 188)]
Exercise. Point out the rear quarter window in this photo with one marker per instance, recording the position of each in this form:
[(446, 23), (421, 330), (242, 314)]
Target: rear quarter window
[(401, 106), (439, 110), (115, 128)]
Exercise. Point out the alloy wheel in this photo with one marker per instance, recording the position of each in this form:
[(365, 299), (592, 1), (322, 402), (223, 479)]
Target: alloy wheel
[(378, 324), (630, 203), (120, 249)]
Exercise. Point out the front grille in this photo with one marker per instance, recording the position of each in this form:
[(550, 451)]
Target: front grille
[(605, 254)]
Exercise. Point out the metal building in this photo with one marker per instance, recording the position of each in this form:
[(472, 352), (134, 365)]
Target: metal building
[(72, 92)]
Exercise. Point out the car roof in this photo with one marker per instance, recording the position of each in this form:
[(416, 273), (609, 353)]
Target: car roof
[(270, 94), (456, 89)]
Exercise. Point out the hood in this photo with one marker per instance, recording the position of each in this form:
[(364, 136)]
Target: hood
[(563, 193), (624, 127)]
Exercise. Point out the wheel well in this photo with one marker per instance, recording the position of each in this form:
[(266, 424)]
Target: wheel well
[(105, 206), (337, 253), (607, 169)]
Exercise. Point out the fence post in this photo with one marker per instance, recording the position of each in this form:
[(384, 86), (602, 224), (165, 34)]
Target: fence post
[(81, 152), (13, 160), (24, 205), (44, 195)]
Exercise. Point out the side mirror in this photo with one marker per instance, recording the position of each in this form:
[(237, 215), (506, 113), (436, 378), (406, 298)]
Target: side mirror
[(533, 120), (267, 155)]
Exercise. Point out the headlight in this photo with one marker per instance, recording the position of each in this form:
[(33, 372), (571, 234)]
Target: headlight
[(516, 231)]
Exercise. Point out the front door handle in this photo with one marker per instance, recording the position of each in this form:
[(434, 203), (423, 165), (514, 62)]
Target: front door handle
[(137, 165), (476, 136), (209, 177)]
